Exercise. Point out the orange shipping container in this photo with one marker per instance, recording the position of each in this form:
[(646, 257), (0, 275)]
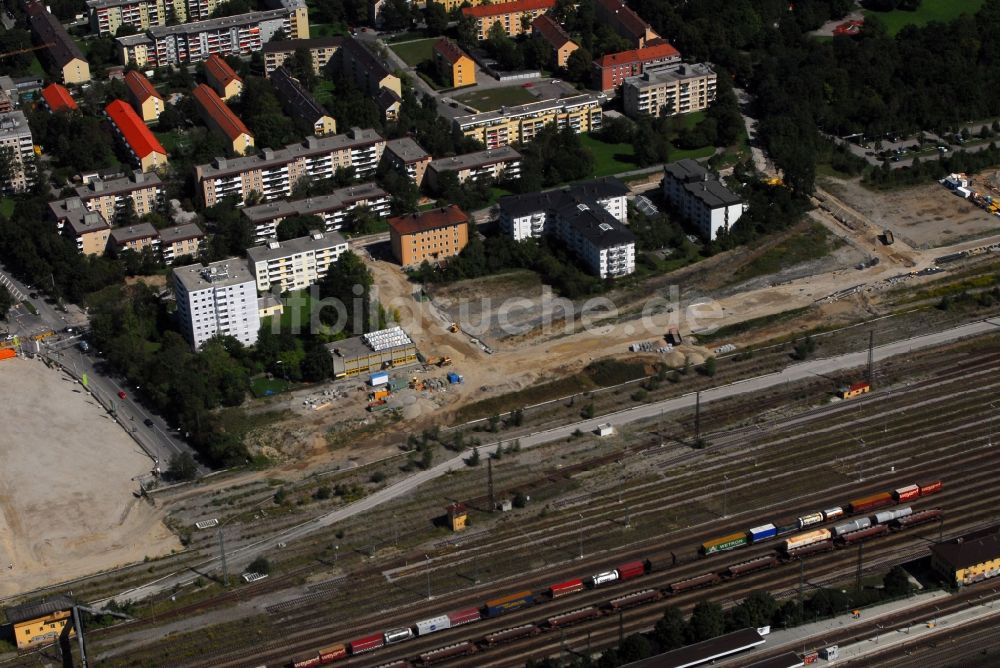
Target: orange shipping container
[(7, 353)]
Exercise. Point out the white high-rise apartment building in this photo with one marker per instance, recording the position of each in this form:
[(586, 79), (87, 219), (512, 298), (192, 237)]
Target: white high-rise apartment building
[(15, 138), (217, 300)]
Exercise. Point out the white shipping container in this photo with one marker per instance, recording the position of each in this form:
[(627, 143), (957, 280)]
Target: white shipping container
[(439, 623), (963, 192)]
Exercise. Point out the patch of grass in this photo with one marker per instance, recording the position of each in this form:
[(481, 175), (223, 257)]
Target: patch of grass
[(494, 98), (737, 328), (529, 396), (170, 140), (930, 10), (812, 243), (265, 387), (609, 158), (324, 91), (36, 67), (6, 207), (298, 306), (605, 373), (407, 36), (327, 29), (415, 52)]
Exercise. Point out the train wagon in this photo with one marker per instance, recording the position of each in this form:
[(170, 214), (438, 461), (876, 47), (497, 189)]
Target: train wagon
[(464, 616), (809, 550), (907, 493), (915, 519), (393, 636), (785, 529), (930, 488), (508, 635), (851, 525), (446, 653), (807, 538), (695, 582), (603, 578), (634, 599), (366, 644), (864, 534), (432, 625), (498, 606), (730, 542), (565, 588), (632, 569), (833, 513), (886, 516), (306, 661), (866, 503), (332, 653), (763, 532), (751, 566), (574, 617), (810, 519)]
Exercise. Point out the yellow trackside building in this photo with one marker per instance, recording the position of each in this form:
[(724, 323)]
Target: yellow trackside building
[(40, 622)]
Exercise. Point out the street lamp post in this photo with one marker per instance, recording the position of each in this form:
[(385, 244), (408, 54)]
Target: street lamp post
[(580, 535)]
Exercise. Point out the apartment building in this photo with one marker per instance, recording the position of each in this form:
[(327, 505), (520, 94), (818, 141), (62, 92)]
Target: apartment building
[(180, 241), (408, 158), (389, 103), (510, 125), (334, 209), (700, 197), (57, 98), (217, 300), (369, 73), (321, 50), (496, 164), (64, 58), (221, 119), (142, 191), (88, 229), (610, 70), (274, 172), (16, 135), (454, 65), (301, 105), (142, 145), (240, 35), (223, 79), (431, 236), (107, 16), (452, 5), (625, 22), (136, 238), (296, 263), (588, 218), (678, 88), (512, 16), (558, 39), (146, 100)]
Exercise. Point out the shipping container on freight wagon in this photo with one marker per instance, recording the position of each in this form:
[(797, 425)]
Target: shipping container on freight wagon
[(763, 532), (565, 588), (366, 644), (866, 503), (333, 653), (631, 569), (807, 538), (498, 606), (432, 625), (464, 616), (906, 493), (730, 542), (306, 661), (930, 488)]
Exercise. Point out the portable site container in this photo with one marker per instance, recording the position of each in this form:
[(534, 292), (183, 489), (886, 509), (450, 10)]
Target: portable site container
[(380, 378)]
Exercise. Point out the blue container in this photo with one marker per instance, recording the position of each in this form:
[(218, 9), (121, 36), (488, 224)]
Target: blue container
[(763, 532)]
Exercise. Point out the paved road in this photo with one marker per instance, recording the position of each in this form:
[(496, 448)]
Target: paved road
[(801, 371)]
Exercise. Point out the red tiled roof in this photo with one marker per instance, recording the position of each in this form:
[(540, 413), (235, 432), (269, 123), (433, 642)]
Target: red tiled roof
[(551, 31), (412, 223), (140, 87), (212, 105), (58, 98), (134, 131), (626, 17), (655, 52), (507, 8), (219, 70), (448, 50)]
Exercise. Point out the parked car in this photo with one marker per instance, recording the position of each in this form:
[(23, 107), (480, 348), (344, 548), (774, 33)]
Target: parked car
[(122, 395), (148, 422)]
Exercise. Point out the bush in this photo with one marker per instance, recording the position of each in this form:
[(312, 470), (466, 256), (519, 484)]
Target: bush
[(587, 412), (640, 395), (322, 493), (520, 500), (260, 565), (377, 477)]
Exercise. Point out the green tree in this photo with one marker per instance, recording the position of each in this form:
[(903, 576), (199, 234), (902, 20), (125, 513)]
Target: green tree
[(578, 66), (436, 18), (347, 287), (302, 68), (897, 582), (183, 467), (707, 621), (317, 365), (260, 565), (634, 648), (670, 631), (474, 459), (295, 227), (6, 301)]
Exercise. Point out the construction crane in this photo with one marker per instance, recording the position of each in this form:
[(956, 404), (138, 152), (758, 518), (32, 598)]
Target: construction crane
[(25, 50)]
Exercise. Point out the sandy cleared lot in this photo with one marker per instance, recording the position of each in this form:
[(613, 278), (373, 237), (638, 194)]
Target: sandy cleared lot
[(924, 216), (66, 502)]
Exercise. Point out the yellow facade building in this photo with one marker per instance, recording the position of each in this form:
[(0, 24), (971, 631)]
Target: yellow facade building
[(220, 118), (514, 17), (456, 68), (520, 124), (431, 236), (557, 38), (968, 559), (145, 99), (222, 78), (40, 622)]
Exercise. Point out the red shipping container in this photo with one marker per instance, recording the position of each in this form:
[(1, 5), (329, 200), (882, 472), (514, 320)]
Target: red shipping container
[(930, 488), (631, 569), (306, 661), (906, 493), (465, 616), (332, 653), (367, 644), (565, 588)]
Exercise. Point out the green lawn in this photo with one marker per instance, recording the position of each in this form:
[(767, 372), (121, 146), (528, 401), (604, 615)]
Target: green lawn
[(415, 52), (930, 10), (6, 207), (36, 67), (488, 100), (812, 243), (324, 91), (170, 140), (327, 29), (609, 158)]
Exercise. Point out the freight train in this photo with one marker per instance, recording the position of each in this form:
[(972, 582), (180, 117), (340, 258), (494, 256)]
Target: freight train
[(794, 547)]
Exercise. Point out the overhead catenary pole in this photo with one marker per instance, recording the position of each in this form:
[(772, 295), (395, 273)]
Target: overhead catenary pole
[(222, 552), (871, 358), (697, 416), (489, 480)]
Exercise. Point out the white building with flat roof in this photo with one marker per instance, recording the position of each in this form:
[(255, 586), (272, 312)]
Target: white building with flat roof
[(700, 197), (217, 300), (15, 135), (296, 263)]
